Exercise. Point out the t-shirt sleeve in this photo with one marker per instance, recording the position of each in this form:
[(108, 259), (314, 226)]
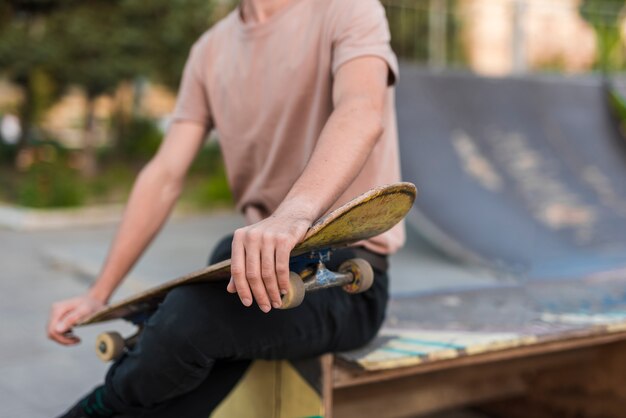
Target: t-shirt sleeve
[(360, 29), (192, 103)]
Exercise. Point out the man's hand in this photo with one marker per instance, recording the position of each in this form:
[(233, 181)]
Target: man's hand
[(66, 313), (260, 257)]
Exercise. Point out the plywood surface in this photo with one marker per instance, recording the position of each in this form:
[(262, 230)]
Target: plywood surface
[(429, 328)]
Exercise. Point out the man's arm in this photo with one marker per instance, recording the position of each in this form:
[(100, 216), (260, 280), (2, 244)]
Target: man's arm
[(260, 258), (153, 196)]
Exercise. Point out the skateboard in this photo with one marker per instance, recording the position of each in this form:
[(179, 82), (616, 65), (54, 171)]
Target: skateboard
[(366, 216)]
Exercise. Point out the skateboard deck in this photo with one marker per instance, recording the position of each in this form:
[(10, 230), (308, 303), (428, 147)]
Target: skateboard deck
[(366, 216)]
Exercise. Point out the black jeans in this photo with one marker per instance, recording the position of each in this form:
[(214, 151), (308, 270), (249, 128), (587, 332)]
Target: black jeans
[(201, 340)]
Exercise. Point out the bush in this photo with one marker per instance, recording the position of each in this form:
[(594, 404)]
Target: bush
[(208, 185), (113, 183), (7, 152), (141, 140), (211, 191), (51, 184)]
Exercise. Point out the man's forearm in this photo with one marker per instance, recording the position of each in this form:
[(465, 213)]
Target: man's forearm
[(260, 252), (343, 148), (350, 134), (150, 203)]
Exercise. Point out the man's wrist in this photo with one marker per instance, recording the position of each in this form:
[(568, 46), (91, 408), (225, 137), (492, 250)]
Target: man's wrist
[(99, 294), (300, 208)]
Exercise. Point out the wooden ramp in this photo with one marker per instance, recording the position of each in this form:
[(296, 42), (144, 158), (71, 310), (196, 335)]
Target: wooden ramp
[(556, 348), (448, 325)]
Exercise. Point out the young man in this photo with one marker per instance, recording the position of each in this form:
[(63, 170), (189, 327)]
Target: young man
[(300, 94)]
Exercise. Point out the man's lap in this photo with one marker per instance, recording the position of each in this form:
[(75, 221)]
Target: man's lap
[(201, 324)]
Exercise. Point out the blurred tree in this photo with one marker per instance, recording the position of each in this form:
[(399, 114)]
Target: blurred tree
[(411, 25), (92, 50), (47, 45), (164, 31), (25, 57), (605, 17)]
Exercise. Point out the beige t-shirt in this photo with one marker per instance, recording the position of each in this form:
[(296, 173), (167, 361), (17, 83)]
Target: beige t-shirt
[(267, 90)]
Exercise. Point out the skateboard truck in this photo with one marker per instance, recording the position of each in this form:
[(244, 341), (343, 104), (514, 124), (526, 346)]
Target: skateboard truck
[(355, 275)]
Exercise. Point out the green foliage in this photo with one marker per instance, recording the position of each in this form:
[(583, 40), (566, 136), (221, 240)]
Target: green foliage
[(98, 43), (48, 45), (51, 184), (49, 181), (212, 191), (208, 159), (410, 29), (141, 141), (208, 185), (617, 104), (605, 16), (91, 47), (112, 185), (7, 152), (164, 31)]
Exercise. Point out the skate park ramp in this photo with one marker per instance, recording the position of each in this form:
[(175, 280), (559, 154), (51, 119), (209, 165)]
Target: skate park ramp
[(526, 176)]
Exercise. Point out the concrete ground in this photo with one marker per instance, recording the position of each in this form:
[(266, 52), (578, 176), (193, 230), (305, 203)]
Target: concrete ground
[(39, 378)]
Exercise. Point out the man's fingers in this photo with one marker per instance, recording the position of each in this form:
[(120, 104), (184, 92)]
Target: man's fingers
[(53, 334), (238, 269), (68, 321), (58, 329), (66, 338), (283, 251), (253, 270), (231, 288), (260, 260), (268, 273), (55, 323)]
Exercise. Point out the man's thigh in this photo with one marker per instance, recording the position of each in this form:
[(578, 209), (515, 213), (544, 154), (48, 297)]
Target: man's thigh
[(206, 321), (335, 319)]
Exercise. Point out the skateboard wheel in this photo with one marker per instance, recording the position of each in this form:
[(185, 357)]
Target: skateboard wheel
[(295, 293), (109, 346), (362, 272)]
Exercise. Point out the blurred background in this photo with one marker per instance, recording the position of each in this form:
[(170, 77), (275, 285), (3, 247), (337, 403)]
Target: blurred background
[(87, 87), (86, 91)]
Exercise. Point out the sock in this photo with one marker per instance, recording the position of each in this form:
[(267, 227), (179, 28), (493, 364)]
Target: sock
[(94, 406)]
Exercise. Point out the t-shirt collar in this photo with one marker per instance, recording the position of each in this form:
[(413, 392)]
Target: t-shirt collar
[(258, 28)]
